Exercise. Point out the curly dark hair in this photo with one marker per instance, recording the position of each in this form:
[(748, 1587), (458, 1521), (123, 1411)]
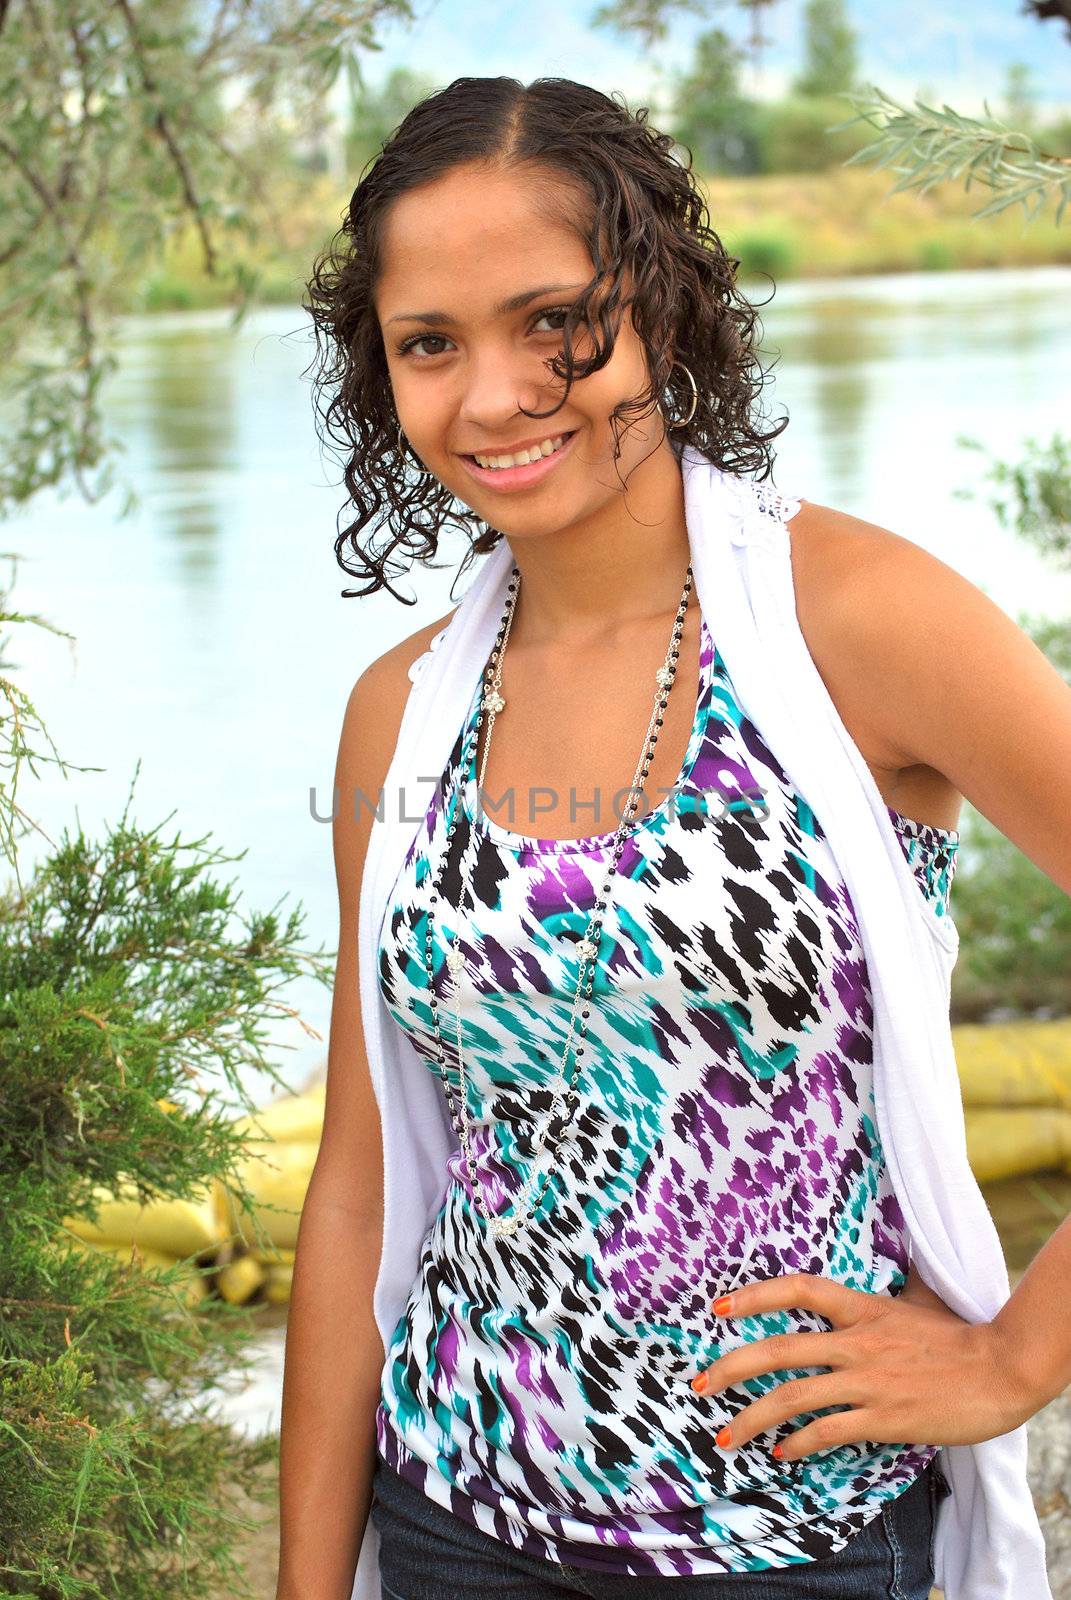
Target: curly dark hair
[(641, 214)]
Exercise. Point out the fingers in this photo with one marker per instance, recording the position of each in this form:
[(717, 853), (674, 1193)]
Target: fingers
[(788, 1401), (781, 1352)]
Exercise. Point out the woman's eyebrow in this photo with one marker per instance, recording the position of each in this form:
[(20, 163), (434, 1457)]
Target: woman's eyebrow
[(516, 302)]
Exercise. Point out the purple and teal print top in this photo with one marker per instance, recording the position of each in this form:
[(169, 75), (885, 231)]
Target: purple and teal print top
[(538, 1386)]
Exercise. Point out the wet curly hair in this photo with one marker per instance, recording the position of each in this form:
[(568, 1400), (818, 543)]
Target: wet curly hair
[(640, 214)]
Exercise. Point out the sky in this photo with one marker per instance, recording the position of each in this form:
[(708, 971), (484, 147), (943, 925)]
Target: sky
[(954, 54)]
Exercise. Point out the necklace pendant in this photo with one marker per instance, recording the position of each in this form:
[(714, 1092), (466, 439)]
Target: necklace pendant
[(587, 950), (504, 1225), (454, 960), (663, 677), (493, 701)]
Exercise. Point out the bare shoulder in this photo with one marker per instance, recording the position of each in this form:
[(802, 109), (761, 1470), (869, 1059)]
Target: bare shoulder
[(874, 608), (849, 575), (388, 674), (858, 583), (841, 561)]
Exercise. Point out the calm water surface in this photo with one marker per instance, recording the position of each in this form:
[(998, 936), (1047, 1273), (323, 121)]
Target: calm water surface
[(211, 637)]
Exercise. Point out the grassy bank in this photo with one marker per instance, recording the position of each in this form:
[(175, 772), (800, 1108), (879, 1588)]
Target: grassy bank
[(843, 223), (800, 225)]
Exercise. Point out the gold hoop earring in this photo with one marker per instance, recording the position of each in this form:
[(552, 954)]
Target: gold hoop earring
[(424, 472), (683, 421)]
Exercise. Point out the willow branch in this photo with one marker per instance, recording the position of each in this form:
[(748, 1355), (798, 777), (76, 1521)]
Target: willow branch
[(163, 127)]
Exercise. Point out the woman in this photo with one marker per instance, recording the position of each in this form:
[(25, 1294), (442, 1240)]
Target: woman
[(609, 1051)]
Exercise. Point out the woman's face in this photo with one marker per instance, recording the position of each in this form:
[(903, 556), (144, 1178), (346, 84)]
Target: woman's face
[(471, 298)]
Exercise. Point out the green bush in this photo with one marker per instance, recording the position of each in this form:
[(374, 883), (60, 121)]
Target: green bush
[(1014, 922), (164, 292), (768, 249), (934, 255), (128, 984)]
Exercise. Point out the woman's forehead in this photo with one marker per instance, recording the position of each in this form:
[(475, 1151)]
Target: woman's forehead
[(429, 284), (491, 225)]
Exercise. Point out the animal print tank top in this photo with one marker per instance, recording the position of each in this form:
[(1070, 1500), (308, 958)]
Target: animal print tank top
[(539, 1387)]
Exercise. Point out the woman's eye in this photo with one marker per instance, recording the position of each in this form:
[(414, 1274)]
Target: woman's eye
[(440, 339), (422, 338), (555, 311)]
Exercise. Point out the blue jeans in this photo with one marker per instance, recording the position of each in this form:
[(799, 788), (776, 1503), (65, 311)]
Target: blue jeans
[(427, 1553)]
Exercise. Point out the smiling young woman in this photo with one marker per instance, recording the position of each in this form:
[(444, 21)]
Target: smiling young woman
[(640, 995)]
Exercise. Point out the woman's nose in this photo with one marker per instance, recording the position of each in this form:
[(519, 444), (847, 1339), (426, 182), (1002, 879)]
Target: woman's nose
[(494, 392)]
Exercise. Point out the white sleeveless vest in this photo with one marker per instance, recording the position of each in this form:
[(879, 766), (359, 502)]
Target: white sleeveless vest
[(989, 1544)]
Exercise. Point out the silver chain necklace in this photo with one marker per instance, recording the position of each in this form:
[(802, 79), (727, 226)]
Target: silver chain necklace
[(554, 1122)]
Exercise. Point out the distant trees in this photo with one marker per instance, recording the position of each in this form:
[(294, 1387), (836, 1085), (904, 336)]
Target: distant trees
[(714, 119), (729, 131), (375, 113), (1018, 107), (809, 129), (830, 46)]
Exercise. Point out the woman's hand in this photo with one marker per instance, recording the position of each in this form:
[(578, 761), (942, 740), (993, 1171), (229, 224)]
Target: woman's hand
[(910, 1369)]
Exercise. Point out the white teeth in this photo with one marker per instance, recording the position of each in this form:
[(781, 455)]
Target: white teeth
[(523, 457)]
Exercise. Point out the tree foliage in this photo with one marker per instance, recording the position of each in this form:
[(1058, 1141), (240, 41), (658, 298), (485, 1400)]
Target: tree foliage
[(830, 50), (374, 114), (713, 118), (648, 19), (123, 121)]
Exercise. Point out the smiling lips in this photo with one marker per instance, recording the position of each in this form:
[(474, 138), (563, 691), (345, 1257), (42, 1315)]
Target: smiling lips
[(522, 467), (522, 457)]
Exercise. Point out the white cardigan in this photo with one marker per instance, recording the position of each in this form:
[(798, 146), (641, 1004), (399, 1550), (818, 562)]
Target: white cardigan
[(989, 1544)]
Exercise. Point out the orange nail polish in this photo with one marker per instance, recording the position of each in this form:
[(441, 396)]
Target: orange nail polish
[(722, 1305), (725, 1438), (699, 1382), (777, 1452)]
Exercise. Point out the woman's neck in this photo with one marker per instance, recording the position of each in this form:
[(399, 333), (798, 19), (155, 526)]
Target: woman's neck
[(592, 580)]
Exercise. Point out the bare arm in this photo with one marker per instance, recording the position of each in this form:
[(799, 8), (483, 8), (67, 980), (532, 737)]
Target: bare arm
[(334, 1353)]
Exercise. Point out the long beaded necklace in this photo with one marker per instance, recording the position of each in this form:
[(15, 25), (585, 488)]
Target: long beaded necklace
[(554, 1122)]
